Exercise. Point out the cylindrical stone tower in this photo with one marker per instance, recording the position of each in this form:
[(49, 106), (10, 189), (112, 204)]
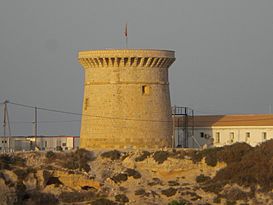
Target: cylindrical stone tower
[(126, 99)]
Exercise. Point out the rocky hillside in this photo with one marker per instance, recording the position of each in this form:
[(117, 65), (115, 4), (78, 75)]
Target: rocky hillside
[(236, 174)]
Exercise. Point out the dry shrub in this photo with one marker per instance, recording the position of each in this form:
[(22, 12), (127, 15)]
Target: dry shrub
[(246, 166), (113, 155), (160, 156), (202, 178), (140, 192), (173, 183), (119, 178), (143, 156), (103, 201), (169, 192), (8, 161), (235, 194), (180, 202), (121, 198), (133, 173), (54, 180), (155, 181), (72, 197), (78, 160), (41, 199)]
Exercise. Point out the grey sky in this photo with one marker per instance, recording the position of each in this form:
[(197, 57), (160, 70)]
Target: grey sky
[(224, 50)]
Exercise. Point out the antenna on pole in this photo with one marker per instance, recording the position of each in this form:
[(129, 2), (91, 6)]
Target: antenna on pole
[(126, 35)]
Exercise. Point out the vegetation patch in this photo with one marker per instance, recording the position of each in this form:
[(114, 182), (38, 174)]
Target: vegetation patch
[(173, 183), (121, 198), (180, 202), (156, 181), (54, 180), (71, 197), (78, 160), (41, 198), (113, 155), (119, 178), (144, 155), (140, 192), (160, 156), (103, 201), (7, 161), (169, 192), (133, 173), (202, 178), (50, 155), (246, 166)]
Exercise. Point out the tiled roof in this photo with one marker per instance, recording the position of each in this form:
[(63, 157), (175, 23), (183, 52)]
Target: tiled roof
[(229, 120)]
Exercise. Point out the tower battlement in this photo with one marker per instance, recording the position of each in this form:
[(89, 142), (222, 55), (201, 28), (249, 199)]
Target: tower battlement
[(126, 58), (126, 99)]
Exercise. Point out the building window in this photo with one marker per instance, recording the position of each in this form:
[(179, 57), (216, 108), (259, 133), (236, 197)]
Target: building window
[(202, 134), (45, 143), (247, 136), (231, 137), (146, 89), (264, 136), (4, 141), (63, 144), (217, 137)]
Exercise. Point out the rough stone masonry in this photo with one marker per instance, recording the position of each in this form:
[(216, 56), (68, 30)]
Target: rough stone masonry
[(126, 99)]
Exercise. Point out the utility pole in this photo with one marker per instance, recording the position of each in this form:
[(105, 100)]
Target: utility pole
[(4, 126), (35, 126), (5, 122)]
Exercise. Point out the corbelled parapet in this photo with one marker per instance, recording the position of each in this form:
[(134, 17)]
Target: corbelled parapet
[(126, 99)]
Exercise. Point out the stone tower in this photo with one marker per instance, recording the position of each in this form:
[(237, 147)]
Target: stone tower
[(126, 99)]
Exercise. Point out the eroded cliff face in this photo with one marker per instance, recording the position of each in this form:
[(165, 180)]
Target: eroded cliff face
[(128, 177)]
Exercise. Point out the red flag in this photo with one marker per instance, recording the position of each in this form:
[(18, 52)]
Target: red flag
[(126, 31)]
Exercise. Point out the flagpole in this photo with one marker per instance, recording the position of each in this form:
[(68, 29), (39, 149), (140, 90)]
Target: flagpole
[(126, 35)]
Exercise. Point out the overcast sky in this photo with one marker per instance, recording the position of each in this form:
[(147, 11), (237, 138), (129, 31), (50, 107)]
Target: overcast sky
[(224, 51)]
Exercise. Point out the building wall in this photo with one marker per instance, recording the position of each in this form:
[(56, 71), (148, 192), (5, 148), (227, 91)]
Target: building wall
[(44, 143), (220, 136), (126, 99)]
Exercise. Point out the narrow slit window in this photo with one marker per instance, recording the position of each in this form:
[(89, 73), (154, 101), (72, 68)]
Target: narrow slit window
[(146, 89), (86, 103)]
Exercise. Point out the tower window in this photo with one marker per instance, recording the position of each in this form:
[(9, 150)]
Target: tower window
[(146, 89), (86, 103)]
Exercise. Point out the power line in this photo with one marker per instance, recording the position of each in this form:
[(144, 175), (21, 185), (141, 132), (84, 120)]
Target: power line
[(80, 114)]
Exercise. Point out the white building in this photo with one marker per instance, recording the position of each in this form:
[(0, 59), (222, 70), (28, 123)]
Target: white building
[(220, 130), (24, 143)]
